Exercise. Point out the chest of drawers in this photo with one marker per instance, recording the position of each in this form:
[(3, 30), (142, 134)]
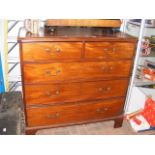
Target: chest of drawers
[(75, 79)]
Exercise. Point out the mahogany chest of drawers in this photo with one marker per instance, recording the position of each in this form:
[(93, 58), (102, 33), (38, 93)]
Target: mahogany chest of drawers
[(75, 79)]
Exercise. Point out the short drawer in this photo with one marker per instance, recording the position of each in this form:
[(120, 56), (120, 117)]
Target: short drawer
[(58, 93), (51, 50), (109, 50), (74, 113), (56, 72)]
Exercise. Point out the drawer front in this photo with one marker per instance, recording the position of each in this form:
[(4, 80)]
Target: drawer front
[(52, 72), (51, 51), (58, 93), (74, 113), (109, 50)]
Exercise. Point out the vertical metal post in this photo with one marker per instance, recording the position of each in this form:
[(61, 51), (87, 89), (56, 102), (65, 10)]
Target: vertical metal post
[(135, 64), (5, 52), (123, 28)]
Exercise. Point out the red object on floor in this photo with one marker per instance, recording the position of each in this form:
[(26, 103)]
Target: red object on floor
[(136, 120), (149, 111)]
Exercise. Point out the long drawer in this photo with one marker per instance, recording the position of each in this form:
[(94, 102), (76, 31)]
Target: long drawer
[(109, 50), (51, 51), (74, 113), (53, 72), (58, 93)]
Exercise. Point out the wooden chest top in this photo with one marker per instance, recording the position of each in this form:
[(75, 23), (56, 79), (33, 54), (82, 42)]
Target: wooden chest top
[(78, 34)]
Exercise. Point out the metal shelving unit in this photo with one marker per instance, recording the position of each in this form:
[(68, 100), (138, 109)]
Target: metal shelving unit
[(14, 75), (134, 82)]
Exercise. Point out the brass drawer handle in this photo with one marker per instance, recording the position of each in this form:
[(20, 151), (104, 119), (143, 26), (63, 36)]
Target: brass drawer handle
[(105, 49), (57, 92), (108, 69), (100, 89), (108, 88), (57, 115), (57, 72), (102, 110), (104, 89), (111, 68), (104, 68), (114, 49), (58, 50), (49, 116), (47, 49), (49, 73), (52, 116), (48, 93)]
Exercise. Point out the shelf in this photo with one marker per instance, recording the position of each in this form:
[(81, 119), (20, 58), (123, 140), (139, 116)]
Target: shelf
[(13, 59), (138, 24), (140, 82), (12, 39), (152, 54), (14, 78)]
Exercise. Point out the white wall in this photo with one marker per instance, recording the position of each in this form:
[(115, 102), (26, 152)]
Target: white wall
[(138, 98)]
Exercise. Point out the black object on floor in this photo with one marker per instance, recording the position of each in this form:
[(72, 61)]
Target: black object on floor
[(11, 114)]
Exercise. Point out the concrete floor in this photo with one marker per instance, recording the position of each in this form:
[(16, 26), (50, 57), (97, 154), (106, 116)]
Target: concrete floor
[(99, 128)]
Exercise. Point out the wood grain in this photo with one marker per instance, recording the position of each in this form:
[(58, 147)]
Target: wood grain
[(109, 50), (84, 22), (51, 115), (51, 51), (71, 92), (33, 130), (59, 72), (75, 75)]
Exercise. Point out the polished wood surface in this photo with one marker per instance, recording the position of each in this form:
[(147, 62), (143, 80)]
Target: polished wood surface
[(75, 75), (84, 22), (59, 72), (71, 92), (109, 50), (116, 119), (54, 51), (74, 112), (51, 51)]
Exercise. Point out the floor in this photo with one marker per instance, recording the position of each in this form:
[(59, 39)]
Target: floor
[(99, 128)]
